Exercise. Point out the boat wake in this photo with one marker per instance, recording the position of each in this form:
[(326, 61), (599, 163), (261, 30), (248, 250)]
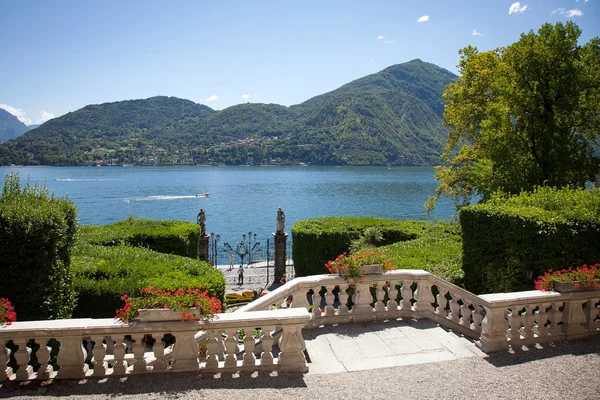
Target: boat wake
[(85, 179), (148, 198)]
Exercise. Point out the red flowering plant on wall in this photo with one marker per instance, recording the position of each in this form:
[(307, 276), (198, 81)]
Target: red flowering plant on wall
[(584, 276), (348, 264), (180, 300), (7, 312)]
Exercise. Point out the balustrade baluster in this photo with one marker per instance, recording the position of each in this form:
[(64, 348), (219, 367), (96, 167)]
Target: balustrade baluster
[(249, 359), (407, 294), (99, 353), (465, 311), (5, 370), (266, 357), (212, 349), (139, 348), (22, 356), (392, 304), (343, 296), (120, 364), (454, 308), (477, 318), (43, 357), (230, 348), (555, 316), (185, 352), (442, 303), (329, 300), (541, 319), (514, 322), (379, 295), (316, 301), (158, 348), (527, 320)]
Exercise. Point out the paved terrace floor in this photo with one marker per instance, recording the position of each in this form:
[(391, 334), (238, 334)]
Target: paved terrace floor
[(384, 360)]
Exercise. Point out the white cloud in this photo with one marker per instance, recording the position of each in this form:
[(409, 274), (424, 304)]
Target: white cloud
[(423, 18), (214, 97), (386, 41), (245, 97), (17, 112), (516, 8), (45, 116), (474, 32), (568, 13)]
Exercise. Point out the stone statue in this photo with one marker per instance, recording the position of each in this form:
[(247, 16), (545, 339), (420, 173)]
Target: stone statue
[(280, 221), (202, 222)]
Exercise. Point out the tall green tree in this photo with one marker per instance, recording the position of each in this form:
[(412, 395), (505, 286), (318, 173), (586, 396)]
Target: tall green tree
[(522, 116)]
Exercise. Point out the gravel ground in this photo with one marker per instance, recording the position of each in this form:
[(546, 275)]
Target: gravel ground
[(565, 370)]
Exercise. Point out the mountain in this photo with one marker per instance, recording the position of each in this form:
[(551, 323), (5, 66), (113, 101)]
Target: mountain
[(393, 117), (10, 126)]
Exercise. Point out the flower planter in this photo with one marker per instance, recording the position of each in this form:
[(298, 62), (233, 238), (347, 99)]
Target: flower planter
[(366, 269), (164, 314), (567, 287)]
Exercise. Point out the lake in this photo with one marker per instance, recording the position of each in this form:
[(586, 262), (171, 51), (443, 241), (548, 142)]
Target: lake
[(242, 199)]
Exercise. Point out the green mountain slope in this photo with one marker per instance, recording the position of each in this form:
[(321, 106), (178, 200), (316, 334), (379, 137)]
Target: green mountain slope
[(393, 117), (10, 126)]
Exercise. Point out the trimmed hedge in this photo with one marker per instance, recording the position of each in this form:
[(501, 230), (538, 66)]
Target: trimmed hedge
[(37, 232), (432, 246), (508, 236), (104, 273), (170, 237)]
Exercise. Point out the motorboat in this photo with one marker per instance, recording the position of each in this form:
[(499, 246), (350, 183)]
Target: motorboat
[(203, 194)]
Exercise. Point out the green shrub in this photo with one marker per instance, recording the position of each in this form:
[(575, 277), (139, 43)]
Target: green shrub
[(506, 237), (37, 232), (170, 237), (104, 273), (432, 246)]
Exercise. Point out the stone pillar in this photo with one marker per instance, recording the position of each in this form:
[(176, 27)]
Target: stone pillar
[(203, 248), (280, 255)]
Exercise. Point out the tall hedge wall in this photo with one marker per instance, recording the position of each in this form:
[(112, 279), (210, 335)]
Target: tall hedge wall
[(104, 273), (170, 237), (37, 232), (508, 236), (318, 240)]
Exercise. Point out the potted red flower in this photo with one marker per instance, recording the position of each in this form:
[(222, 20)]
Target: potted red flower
[(7, 312), (570, 280), (169, 305)]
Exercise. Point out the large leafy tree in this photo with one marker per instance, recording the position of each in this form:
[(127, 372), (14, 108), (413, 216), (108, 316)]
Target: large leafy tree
[(522, 116)]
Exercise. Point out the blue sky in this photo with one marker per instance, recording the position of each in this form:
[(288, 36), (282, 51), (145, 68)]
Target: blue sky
[(58, 56)]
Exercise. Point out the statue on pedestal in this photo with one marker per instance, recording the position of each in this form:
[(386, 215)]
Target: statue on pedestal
[(202, 222), (280, 221)]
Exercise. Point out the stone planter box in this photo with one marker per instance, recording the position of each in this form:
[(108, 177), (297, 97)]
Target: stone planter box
[(367, 269), (567, 287), (164, 314)]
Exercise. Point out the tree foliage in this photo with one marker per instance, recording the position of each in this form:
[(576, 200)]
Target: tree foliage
[(522, 116)]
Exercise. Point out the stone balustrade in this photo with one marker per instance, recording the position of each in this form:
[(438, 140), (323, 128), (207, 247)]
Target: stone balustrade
[(495, 321), (79, 348), (267, 333)]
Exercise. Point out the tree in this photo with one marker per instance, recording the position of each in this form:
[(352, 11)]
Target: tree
[(523, 116)]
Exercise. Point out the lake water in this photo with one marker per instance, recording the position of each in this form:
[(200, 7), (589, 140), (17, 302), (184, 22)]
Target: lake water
[(242, 199)]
